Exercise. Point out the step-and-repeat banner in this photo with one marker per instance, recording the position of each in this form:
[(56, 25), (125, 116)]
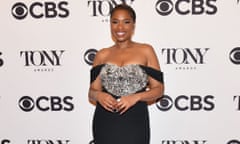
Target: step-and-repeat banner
[(47, 48)]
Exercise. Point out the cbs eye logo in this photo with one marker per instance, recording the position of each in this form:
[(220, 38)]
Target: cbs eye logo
[(234, 55), (40, 10), (1, 60), (19, 10), (26, 103), (165, 103), (5, 141), (234, 142), (164, 7), (89, 56), (91, 142)]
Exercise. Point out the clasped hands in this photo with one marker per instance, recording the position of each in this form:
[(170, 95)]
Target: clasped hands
[(120, 105)]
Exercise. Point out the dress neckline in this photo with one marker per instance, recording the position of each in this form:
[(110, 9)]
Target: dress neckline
[(125, 65), (109, 63), (154, 73)]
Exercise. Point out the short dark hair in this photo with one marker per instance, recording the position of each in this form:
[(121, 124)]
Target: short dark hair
[(126, 7)]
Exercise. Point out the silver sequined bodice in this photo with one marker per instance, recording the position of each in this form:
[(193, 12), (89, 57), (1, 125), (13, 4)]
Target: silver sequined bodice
[(122, 81)]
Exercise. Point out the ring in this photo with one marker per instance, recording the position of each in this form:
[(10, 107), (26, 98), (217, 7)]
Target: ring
[(115, 110), (119, 99)]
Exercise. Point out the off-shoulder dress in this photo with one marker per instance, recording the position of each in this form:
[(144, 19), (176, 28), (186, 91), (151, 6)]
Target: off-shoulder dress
[(132, 127)]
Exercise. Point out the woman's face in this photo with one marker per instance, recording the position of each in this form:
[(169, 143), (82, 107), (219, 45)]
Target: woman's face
[(122, 26)]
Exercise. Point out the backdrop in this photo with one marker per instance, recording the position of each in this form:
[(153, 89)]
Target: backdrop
[(47, 48)]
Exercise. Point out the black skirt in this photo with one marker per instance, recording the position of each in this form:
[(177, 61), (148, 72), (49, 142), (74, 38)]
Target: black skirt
[(131, 127)]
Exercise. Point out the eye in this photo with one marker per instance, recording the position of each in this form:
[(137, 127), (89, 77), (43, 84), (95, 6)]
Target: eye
[(114, 21), (127, 21)]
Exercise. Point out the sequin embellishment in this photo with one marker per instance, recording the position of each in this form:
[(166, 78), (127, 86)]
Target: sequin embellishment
[(125, 80)]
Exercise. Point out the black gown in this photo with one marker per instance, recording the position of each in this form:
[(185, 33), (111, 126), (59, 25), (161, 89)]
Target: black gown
[(132, 127)]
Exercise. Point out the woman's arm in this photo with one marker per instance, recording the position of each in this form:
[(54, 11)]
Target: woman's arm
[(155, 88), (95, 93)]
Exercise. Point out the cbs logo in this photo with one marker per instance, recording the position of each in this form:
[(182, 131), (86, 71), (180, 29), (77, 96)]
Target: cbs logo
[(44, 103), (40, 10), (184, 103), (184, 7)]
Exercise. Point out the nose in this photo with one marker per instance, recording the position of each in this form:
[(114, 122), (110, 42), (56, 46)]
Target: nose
[(120, 26)]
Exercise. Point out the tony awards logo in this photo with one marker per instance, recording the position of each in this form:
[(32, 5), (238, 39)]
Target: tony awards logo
[(42, 60), (102, 8)]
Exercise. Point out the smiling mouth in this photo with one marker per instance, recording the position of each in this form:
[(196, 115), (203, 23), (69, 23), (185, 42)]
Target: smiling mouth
[(120, 33)]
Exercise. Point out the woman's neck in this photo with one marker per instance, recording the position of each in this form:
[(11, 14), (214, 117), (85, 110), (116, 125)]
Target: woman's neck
[(123, 45)]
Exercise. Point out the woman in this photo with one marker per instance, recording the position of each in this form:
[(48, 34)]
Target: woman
[(124, 77)]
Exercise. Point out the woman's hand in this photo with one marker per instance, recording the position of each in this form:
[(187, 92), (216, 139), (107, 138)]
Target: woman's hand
[(126, 102), (107, 101)]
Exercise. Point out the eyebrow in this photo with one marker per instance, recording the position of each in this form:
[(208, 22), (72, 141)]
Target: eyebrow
[(121, 19)]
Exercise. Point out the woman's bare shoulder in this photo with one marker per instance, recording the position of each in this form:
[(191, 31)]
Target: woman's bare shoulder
[(101, 55), (144, 47), (104, 51), (148, 51)]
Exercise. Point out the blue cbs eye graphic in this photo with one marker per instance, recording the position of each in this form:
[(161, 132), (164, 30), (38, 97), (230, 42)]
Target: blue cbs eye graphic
[(164, 7), (89, 56), (19, 10), (26, 103), (235, 55), (165, 103)]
